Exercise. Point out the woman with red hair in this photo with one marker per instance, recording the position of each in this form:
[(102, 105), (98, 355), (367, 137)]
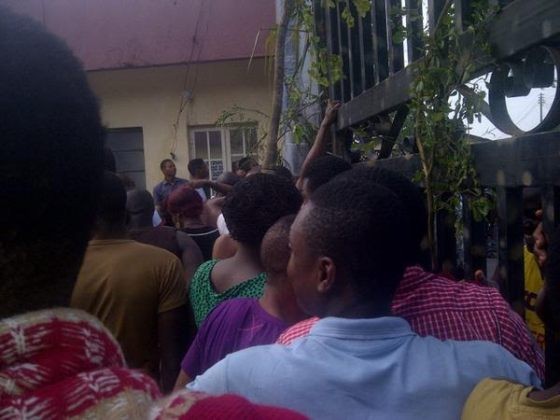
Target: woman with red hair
[(185, 206)]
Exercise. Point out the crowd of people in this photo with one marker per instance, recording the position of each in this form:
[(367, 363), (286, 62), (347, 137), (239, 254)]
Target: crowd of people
[(258, 295)]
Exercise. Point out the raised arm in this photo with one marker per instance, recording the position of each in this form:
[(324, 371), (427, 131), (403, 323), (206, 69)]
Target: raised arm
[(320, 142)]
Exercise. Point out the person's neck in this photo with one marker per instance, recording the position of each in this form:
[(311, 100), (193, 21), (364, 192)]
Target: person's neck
[(169, 178), (281, 303), (348, 305), (248, 257), (119, 233), (192, 222), (546, 394)]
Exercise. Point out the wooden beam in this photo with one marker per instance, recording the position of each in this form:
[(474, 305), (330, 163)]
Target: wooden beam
[(520, 25)]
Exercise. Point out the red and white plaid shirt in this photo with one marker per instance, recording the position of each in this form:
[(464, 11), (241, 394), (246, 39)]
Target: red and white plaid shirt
[(451, 310)]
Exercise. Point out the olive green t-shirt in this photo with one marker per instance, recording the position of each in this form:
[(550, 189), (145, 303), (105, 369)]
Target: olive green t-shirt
[(126, 285)]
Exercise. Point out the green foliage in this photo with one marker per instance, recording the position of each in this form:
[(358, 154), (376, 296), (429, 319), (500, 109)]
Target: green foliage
[(439, 112)]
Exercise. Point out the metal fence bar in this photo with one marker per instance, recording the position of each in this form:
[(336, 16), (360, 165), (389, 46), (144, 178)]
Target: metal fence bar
[(396, 50), (415, 29), (380, 52), (344, 53)]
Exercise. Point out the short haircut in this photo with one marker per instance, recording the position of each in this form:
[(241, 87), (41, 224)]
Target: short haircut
[(195, 165), (256, 203), (112, 202), (140, 208), (410, 195), (275, 247), (361, 226), (322, 170), (52, 162), (185, 201), (552, 297), (163, 162), (247, 163)]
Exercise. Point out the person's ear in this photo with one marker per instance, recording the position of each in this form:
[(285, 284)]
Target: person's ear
[(327, 275)]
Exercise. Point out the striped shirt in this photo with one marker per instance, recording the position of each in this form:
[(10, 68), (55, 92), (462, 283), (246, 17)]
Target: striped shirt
[(446, 309)]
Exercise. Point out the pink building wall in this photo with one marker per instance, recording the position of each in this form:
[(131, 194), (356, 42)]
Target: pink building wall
[(110, 34)]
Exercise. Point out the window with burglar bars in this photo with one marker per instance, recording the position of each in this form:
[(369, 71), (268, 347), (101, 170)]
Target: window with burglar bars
[(222, 147)]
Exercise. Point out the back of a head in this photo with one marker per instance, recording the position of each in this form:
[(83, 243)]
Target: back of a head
[(322, 170), (360, 226), (275, 248), (246, 164), (111, 210), (229, 178), (185, 202), (140, 208), (283, 172), (195, 165), (256, 203), (51, 165), (409, 194)]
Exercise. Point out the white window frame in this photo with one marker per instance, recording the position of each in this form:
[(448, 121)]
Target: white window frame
[(226, 143)]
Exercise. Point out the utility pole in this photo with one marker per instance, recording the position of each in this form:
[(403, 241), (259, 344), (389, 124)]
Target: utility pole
[(541, 104)]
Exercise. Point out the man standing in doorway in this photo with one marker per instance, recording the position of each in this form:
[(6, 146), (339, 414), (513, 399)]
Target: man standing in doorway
[(169, 183)]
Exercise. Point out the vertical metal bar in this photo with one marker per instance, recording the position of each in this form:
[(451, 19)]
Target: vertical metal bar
[(333, 46), (551, 219), (396, 51), (510, 245), (367, 43), (355, 58), (380, 53), (362, 54), (344, 53), (474, 242), (435, 8), (415, 28), (446, 241), (462, 14)]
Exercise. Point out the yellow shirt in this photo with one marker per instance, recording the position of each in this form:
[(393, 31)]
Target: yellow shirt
[(533, 285), (502, 400)]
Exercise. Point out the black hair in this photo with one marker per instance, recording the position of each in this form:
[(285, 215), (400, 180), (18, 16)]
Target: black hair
[(111, 209), (361, 226), (256, 203), (275, 248), (410, 195), (322, 170), (140, 208), (51, 161), (163, 162), (247, 163), (195, 165), (283, 172), (109, 163), (552, 287)]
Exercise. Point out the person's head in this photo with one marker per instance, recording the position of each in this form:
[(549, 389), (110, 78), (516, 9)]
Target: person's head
[(168, 168), (198, 169), (185, 203), (127, 182), (321, 171), (345, 246), (229, 178), (245, 166), (139, 208), (275, 248), (410, 195), (283, 172), (51, 148), (111, 210), (255, 204)]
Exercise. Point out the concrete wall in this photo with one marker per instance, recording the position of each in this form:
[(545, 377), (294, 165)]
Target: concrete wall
[(150, 98)]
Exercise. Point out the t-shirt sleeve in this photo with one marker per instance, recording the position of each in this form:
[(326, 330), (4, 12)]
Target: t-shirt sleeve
[(172, 286), (517, 370)]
